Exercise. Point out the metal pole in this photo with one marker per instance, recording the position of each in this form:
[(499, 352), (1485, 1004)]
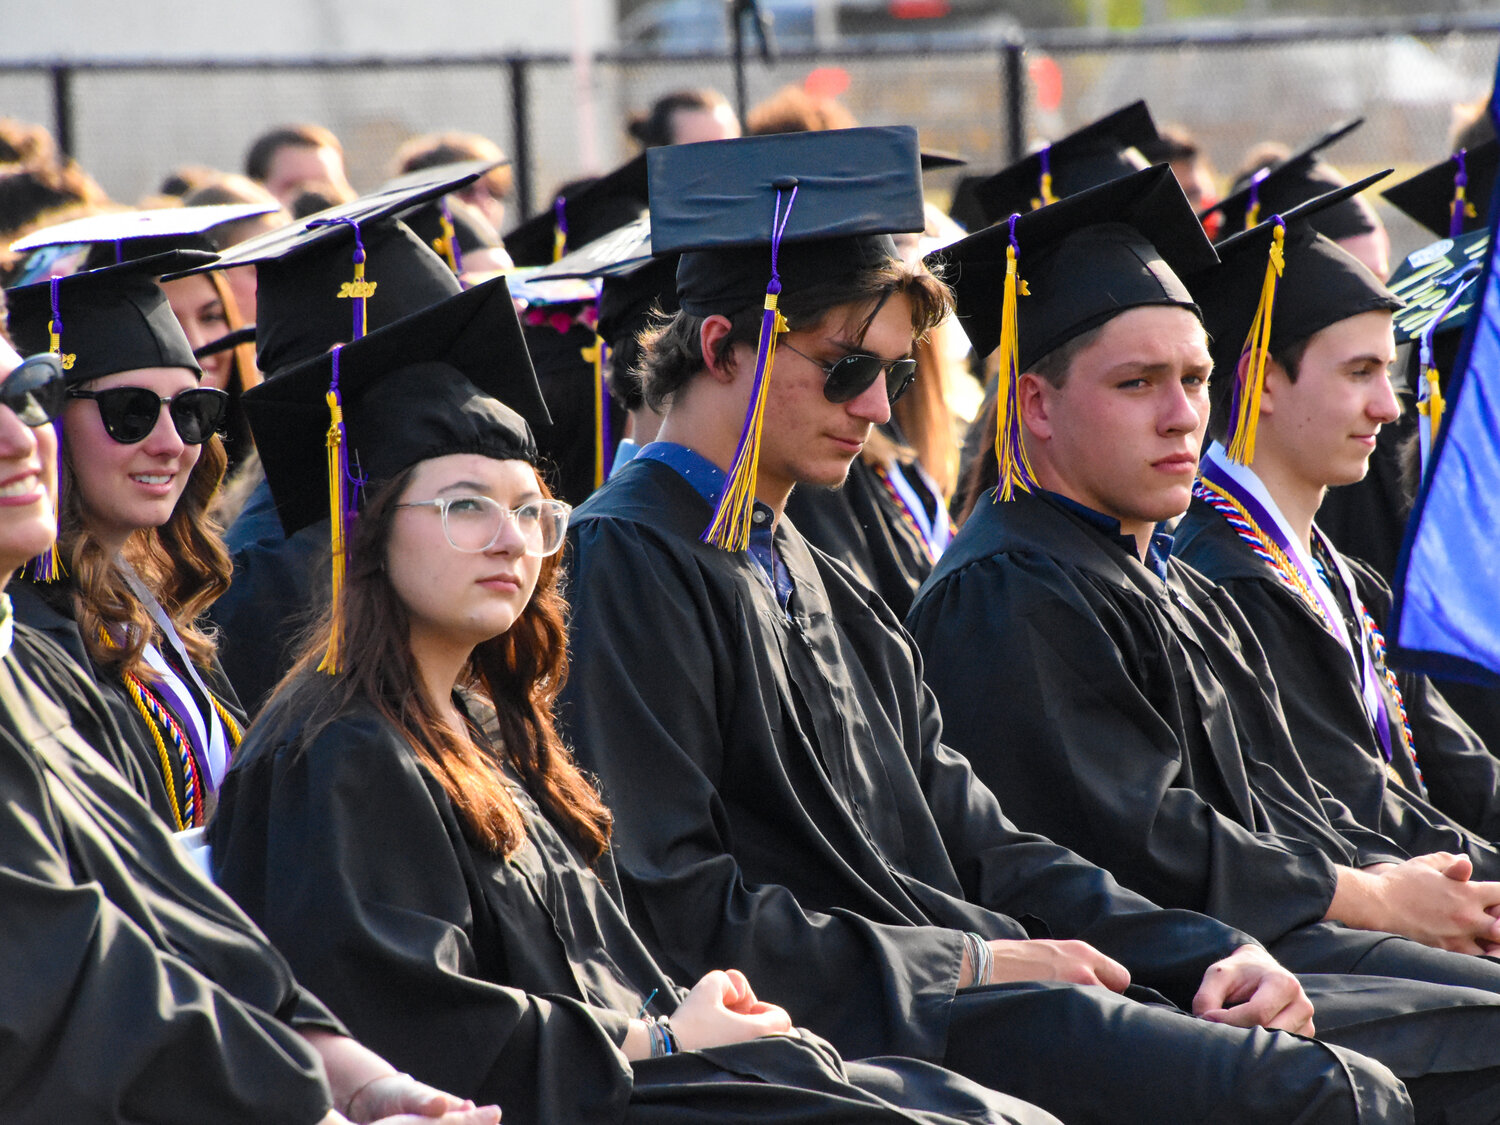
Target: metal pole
[(1013, 109), (520, 109), (737, 39), (62, 109)]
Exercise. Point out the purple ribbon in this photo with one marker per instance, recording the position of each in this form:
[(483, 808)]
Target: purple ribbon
[(1460, 184)]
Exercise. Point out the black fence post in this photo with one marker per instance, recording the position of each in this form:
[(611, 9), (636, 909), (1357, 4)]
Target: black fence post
[(62, 108), (1013, 83), (521, 158)]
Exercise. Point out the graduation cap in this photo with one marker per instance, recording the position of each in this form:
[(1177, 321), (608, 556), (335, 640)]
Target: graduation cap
[(1438, 284), (121, 236), (937, 160), (615, 198), (99, 323), (1101, 151), (1030, 285), (1297, 179), (1276, 284), (1453, 196), (452, 228), (326, 279), (453, 378), (106, 320), (756, 217)]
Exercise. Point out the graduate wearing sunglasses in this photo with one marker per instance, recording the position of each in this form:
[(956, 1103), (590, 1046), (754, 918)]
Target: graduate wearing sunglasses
[(137, 560)]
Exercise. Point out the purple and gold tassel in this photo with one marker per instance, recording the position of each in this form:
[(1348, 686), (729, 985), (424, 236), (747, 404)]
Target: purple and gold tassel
[(1462, 209), (1045, 185), (1252, 209), (48, 566), (358, 290), (338, 511), (730, 528), (1010, 448), (1244, 403), (597, 355), (446, 243), (559, 227)]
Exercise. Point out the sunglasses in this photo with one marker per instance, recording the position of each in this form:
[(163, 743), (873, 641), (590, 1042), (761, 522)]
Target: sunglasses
[(35, 391), (844, 380), (130, 414)]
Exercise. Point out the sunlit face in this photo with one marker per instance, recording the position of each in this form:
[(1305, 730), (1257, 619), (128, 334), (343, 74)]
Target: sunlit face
[(196, 305), (1373, 249), (1122, 434), (452, 597), (124, 488), (1320, 430), (295, 166), (805, 438), (28, 488)]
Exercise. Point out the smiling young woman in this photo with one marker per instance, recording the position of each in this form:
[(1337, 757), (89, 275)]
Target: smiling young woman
[(137, 559)]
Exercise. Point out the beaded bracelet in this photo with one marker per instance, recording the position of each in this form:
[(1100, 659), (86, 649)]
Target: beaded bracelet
[(663, 1042)]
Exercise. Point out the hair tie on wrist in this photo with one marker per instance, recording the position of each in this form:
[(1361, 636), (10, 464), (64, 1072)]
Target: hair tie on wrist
[(348, 1110)]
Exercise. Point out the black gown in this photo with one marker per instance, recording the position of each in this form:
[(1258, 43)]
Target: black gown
[(135, 990), (1325, 712), (508, 980), (48, 608), (1137, 721), (784, 805)]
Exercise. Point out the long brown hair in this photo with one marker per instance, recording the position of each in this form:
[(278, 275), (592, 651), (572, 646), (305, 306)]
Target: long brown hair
[(183, 563), (520, 672)]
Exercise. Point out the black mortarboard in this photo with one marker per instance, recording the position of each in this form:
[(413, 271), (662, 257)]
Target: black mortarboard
[(716, 203), (106, 320), (758, 217), (452, 228), (1101, 151), (1030, 285), (604, 204), (936, 160), (422, 387), (1429, 196), (1083, 259), (1319, 284), (126, 235), (303, 269), (1297, 179)]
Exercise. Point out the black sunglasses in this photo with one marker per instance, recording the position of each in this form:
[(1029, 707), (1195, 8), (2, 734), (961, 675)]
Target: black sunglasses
[(35, 391), (845, 379), (129, 414)]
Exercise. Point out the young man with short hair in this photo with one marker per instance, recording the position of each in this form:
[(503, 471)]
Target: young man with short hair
[(783, 801), (1360, 727)]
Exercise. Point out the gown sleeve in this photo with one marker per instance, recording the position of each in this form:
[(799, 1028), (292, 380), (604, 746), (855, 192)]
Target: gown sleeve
[(348, 855)]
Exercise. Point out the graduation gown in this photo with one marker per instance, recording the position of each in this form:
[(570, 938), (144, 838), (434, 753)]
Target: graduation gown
[(865, 529), (508, 980), (1325, 711), (48, 608), (134, 990), (785, 805)]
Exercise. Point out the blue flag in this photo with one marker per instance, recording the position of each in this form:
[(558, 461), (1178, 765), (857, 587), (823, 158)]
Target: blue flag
[(1446, 617)]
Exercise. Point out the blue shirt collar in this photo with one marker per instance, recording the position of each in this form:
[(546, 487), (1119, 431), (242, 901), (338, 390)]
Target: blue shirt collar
[(1157, 553)]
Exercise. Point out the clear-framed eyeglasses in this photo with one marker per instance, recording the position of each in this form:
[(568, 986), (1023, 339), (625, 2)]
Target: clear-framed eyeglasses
[(474, 523)]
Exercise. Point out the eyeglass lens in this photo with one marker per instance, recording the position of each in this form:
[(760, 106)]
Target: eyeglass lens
[(474, 523)]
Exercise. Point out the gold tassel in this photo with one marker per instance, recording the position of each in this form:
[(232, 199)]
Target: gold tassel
[(1433, 405), (595, 356), (731, 524), (1258, 347), (334, 443), (1010, 450)]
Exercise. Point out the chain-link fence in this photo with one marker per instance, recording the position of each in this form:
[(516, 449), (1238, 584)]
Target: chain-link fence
[(130, 123)]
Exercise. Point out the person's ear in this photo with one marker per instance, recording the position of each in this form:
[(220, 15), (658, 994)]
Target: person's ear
[(711, 336), (1036, 400), (1276, 377)]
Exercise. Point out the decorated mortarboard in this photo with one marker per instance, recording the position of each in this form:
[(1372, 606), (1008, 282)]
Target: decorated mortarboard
[(100, 323), (126, 235), (1030, 284), (1296, 180), (1452, 197), (756, 217), (1278, 283), (330, 277), (1439, 285), (1101, 151), (602, 205), (453, 378)]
